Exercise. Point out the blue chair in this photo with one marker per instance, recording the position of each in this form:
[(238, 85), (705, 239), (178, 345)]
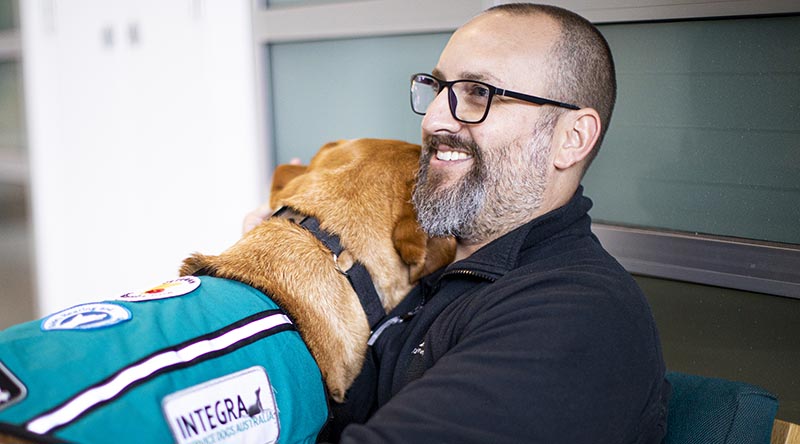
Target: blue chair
[(706, 410)]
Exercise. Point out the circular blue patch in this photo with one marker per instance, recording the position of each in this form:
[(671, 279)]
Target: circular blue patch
[(87, 317)]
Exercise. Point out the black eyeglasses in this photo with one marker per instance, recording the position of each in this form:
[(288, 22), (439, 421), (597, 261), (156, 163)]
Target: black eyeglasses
[(469, 100)]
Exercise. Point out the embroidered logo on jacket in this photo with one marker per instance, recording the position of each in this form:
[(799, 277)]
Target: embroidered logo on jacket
[(87, 317), (237, 408)]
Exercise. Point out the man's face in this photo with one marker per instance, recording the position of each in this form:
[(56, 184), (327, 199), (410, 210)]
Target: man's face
[(480, 181)]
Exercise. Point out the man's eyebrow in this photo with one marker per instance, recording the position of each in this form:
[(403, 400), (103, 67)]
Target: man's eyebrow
[(476, 76), (467, 75)]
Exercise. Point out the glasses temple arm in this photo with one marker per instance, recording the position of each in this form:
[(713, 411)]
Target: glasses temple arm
[(534, 99)]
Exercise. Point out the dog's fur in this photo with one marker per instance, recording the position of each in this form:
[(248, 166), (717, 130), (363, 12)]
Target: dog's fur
[(359, 190)]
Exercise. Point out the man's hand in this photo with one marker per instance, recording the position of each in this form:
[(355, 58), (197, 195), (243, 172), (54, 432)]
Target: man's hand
[(255, 217)]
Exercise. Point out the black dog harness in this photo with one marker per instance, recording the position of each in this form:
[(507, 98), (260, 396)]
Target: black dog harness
[(358, 275)]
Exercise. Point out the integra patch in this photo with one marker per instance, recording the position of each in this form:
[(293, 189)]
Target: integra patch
[(239, 407), (11, 389)]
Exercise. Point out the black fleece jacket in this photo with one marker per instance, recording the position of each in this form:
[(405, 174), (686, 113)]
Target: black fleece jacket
[(538, 337)]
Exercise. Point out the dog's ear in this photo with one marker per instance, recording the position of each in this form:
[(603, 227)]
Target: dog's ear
[(197, 265), (283, 175), (423, 255)]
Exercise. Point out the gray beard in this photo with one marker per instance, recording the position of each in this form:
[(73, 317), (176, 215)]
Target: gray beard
[(501, 191), (453, 210)]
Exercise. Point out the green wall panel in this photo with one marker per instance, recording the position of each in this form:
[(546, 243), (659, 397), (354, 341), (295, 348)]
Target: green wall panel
[(343, 89), (8, 15), (705, 137), (706, 134)]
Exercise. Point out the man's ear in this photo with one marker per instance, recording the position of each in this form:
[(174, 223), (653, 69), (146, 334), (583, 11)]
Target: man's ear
[(577, 133)]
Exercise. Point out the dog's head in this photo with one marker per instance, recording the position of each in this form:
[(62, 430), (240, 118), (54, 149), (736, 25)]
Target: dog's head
[(361, 190)]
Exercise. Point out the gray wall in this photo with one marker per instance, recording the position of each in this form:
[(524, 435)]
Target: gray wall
[(730, 334)]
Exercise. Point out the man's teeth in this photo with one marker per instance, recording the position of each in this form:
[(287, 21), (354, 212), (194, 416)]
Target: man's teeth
[(452, 155)]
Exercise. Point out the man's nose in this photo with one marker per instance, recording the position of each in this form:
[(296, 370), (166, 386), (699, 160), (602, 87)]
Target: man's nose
[(438, 116)]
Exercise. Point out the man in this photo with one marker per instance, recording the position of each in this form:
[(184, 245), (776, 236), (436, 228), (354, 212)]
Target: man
[(534, 334)]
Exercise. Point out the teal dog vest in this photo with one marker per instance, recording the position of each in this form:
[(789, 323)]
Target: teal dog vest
[(194, 360)]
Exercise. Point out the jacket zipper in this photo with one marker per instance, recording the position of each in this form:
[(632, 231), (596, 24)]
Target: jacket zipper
[(405, 317), (391, 321), (462, 272)]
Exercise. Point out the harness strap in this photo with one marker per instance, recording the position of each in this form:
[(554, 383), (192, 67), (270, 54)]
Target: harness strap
[(357, 275)]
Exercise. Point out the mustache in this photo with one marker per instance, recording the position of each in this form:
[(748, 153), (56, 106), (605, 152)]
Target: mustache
[(430, 143)]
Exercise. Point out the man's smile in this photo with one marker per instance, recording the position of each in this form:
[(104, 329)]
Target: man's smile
[(451, 155)]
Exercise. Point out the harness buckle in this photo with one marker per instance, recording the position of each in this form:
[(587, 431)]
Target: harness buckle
[(336, 265)]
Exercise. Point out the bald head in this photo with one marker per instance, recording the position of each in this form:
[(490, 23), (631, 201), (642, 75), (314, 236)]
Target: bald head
[(580, 68)]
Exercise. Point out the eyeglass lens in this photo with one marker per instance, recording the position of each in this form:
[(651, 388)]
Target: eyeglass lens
[(468, 100)]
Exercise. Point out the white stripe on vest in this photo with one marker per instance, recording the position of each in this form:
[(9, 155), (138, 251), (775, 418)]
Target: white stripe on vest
[(159, 362)]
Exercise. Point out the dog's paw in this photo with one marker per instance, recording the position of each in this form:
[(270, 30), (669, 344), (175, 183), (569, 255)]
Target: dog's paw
[(337, 395)]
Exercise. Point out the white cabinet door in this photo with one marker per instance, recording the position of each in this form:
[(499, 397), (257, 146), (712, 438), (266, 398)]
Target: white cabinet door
[(142, 138)]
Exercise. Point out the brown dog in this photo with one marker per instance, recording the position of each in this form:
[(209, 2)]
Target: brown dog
[(58, 381), (359, 190)]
